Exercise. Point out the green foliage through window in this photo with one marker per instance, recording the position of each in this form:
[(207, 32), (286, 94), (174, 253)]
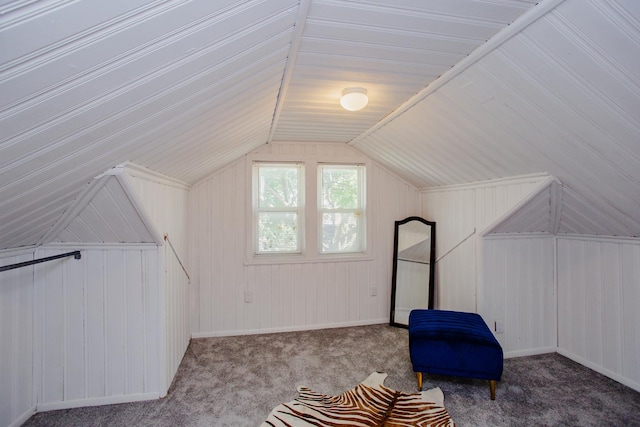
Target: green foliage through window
[(341, 203), (278, 203)]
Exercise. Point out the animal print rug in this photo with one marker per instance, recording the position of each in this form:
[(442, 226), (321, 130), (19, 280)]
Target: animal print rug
[(368, 404)]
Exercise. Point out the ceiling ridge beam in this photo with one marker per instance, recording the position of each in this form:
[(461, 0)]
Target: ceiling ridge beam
[(531, 16), (294, 49)]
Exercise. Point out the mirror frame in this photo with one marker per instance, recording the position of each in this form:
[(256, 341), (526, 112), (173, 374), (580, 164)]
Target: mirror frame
[(432, 265)]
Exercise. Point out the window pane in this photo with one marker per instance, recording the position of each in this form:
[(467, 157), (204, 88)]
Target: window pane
[(340, 187), (340, 232), (278, 186), (278, 232)]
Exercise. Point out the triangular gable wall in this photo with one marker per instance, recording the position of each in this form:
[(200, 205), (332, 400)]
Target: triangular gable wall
[(554, 209), (539, 212), (107, 211)]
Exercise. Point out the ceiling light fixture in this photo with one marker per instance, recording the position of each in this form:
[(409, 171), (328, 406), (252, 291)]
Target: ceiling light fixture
[(354, 98)]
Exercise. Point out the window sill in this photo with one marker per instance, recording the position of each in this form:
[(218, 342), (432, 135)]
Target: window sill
[(301, 259)]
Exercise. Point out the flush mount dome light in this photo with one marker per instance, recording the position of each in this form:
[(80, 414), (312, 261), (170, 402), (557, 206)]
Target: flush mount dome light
[(354, 98)]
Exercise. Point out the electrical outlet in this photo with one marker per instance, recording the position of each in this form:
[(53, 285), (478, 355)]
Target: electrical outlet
[(374, 291), (248, 297), (498, 327)]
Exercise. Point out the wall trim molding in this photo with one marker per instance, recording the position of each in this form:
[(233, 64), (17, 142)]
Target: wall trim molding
[(508, 236), (138, 171), (530, 352), (299, 328), (518, 179), (597, 238), (11, 252), (24, 417), (97, 401), (614, 376), (101, 246)]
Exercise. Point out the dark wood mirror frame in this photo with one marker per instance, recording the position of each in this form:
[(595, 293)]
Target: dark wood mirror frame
[(429, 282)]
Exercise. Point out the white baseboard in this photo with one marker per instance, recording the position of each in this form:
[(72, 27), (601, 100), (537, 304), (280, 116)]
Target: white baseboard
[(23, 418), (299, 328), (606, 372), (529, 352), (97, 401)]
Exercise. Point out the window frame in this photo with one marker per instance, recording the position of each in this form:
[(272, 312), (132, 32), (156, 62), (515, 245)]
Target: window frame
[(299, 209), (310, 252), (360, 210)]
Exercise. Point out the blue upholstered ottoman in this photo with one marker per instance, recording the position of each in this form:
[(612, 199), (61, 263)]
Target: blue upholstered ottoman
[(454, 343)]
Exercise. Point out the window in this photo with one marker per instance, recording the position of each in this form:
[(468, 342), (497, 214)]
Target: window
[(278, 207), (340, 208), (306, 208)]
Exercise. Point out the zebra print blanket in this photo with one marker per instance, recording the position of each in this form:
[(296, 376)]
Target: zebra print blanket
[(368, 404)]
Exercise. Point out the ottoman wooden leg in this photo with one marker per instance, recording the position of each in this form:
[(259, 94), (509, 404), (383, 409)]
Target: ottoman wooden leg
[(419, 375), (492, 387)]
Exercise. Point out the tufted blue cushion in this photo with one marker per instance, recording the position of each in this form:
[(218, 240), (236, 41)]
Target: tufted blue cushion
[(453, 343)]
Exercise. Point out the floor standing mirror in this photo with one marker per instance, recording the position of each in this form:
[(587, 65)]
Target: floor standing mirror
[(412, 282)]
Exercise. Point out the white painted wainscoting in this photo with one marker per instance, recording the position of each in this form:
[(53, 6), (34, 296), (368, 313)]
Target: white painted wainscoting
[(17, 393), (518, 289), (494, 277), (97, 326), (291, 296), (461, 214), (166, 202), (598, 300)]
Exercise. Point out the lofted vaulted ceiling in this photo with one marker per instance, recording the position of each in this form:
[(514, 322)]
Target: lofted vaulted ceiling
[(460, 91)]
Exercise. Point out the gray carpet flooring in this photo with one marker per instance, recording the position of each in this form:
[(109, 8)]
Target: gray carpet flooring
[(236, 381)]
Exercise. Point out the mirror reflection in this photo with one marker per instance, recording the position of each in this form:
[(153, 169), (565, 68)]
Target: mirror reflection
[(413, 268)]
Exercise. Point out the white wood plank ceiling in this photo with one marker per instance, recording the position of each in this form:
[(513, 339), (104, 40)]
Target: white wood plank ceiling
[(186, 87)]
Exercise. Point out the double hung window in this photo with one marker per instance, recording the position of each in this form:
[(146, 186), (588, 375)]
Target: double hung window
[(307, 210), (340, 208), (278, 195)]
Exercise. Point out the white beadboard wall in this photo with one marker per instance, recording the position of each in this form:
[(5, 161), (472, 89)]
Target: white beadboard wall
[(17, 393), (598, 300), (166, 201), (287, 296), (97, 326), (519, 290), (461, 213)]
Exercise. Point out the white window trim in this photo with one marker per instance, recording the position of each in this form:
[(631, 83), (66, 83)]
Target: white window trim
[(363, 209), (300, 209), (309, 237)]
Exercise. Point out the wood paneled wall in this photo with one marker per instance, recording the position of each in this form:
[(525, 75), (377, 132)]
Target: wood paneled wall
[(289, 296), (469, 278), (461, 214), (17, 393), (166, 202), (598, 300), (111, 327), (97, 327), (518, 288)]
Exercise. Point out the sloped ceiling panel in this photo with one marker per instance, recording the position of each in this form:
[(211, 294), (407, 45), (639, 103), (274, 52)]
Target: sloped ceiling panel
[(562, 96), (391, 48), (186, 87), (180, 87)]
